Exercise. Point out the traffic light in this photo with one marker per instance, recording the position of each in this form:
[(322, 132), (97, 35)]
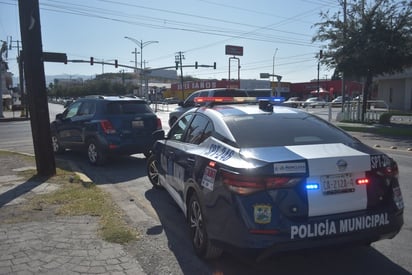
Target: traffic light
[(177, 65), (214, 65), (115, 63), (320, 54), (196, 65), (91, 61)]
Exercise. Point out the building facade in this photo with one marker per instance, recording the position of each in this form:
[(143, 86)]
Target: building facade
[(396, 90)]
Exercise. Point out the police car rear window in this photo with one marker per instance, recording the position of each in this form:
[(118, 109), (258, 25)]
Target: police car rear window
[(128, 107), (267, 130)]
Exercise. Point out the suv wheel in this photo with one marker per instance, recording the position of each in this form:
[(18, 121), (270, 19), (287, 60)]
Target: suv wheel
[(57, 148), (153, 172), (201, 243), (95, 153)]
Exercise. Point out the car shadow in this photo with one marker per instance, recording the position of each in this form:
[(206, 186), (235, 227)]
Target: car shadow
[(116, 170), (332, 260)]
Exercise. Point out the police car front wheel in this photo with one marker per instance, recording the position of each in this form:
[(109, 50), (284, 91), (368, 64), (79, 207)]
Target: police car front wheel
[(153, 172)]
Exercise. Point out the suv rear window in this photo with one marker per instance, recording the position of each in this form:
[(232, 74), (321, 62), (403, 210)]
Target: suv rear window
[(284, 130), (128, 107), (224, 93)]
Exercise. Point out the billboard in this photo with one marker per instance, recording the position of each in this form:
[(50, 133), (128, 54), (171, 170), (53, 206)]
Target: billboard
[(234, 50)]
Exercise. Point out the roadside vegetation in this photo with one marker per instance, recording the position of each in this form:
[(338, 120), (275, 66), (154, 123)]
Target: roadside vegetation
[(392, 131), (72, 197)]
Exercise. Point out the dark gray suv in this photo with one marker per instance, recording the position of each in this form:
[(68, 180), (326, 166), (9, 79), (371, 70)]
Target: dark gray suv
[(105, 125), (190, 100)]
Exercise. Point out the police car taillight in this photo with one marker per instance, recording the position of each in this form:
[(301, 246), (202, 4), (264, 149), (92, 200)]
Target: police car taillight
[(245, 184), (389, 171)]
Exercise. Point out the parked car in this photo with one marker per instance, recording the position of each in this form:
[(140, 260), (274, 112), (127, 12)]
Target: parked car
[(314, 102), (190, 100), (293, 102), (171, 100), (265, 179), (104, 126), (338, 101)]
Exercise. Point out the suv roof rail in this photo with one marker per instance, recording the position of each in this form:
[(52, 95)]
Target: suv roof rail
[(94, 96)]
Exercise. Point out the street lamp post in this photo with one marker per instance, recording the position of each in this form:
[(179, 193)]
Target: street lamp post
[(141, 45), (278, 77)]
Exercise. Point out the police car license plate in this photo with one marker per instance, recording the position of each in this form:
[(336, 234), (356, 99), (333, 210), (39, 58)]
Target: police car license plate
[(335, 184), (137, 123)]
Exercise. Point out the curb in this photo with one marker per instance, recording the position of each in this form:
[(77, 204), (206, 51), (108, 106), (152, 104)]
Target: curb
[(8, 119), (83, 178), (408, 149)]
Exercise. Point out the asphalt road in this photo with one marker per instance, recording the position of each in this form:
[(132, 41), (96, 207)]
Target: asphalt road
[(165, 248)]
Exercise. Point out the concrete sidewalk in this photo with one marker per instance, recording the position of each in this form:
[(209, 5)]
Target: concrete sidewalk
[(36, 241)]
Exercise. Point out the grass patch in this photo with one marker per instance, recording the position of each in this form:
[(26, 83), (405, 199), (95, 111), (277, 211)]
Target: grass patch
[(71, 198), (74, 199)]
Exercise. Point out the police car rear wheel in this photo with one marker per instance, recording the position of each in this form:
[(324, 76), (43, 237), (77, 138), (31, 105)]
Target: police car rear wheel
[(201, 243), (153, 172)]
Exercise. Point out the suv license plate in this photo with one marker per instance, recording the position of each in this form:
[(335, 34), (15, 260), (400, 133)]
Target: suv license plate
[(137, 123), (335, 184)]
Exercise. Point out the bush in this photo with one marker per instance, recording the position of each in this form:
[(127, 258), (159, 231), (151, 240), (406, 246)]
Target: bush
[(385, 118)]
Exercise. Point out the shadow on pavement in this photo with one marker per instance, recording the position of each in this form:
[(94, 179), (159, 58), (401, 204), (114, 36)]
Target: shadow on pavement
[(332, 260), (21, 190)]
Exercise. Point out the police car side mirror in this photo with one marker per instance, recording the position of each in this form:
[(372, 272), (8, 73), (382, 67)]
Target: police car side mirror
[(159, 134), (180, 103)]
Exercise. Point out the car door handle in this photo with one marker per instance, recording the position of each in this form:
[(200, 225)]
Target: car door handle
[(191, 159)]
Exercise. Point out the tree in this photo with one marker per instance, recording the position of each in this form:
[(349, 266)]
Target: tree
[(371, 38)]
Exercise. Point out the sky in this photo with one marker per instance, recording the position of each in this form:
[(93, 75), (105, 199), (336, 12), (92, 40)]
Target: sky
[(276, 35)]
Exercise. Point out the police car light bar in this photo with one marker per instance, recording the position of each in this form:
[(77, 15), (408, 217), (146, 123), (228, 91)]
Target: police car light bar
[(245, 99)]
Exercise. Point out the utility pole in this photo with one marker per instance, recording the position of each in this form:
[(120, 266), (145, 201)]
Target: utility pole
[(36, 86), (320, 57), (178, 58), (21, 76), (344, 39), (3, 50), (135, 59)]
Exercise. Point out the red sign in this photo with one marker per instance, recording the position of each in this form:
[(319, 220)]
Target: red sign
[(205, 84), (234, 50)]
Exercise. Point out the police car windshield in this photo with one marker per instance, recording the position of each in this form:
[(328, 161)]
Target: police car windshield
[(267, 130)]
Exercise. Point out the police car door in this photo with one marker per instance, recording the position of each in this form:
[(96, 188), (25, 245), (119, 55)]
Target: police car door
[(171, 159)]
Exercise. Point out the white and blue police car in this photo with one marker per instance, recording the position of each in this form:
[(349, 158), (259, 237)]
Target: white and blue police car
[(266, 179)]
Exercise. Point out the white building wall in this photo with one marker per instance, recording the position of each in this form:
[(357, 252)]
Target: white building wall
[(396, 90)]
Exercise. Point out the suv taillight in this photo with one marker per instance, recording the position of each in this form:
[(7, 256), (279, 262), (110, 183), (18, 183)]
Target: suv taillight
[(246, 185), (107, 127), (159, 124)]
